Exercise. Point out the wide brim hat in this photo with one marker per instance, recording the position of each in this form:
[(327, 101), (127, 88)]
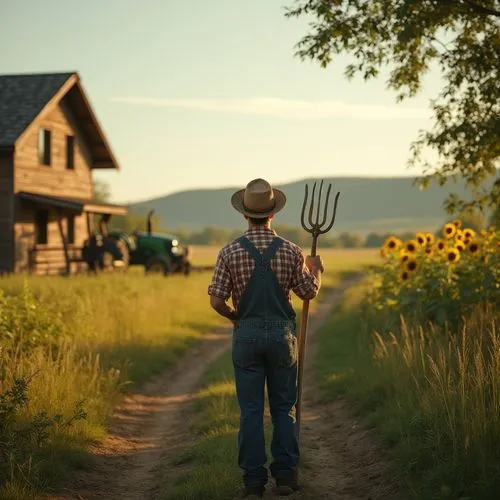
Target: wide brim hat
[(258, 200)]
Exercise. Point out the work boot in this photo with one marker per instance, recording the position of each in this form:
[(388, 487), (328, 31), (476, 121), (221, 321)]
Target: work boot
[(285, 487), (252, 493)]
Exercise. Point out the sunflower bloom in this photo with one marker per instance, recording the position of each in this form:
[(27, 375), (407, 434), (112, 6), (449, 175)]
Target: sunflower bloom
[(459, 235), (460, 246), (404, 275), (403, 258), (428, 250), (429, 238), (469, 233), (440, 245), (474, 246), (411, 246), (383, 252), (457, 223), (392, 243), (449, 231), (452, 255), (411, 265), (421, 238)]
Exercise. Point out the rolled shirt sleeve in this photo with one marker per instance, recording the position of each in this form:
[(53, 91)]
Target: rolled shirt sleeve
[(221, 284), (304, 283)]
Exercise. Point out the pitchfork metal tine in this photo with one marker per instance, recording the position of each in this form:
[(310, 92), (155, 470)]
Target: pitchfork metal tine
[(317, 226), (311, 207), (319, 201), (333, 216), (304, 205), (325, 214)]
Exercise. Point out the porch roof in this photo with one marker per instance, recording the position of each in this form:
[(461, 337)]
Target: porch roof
[(73, 204)]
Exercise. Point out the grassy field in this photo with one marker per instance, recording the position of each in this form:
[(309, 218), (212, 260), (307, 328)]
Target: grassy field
[(77, 343)]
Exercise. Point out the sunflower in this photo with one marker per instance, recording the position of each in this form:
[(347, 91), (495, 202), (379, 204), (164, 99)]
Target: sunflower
[(452, 255), (428, 250), (421, 238), (460, 246), (411, 265), (440, 245), (469, 233), (457, 223), (449, 231), (466, 241), (383, 252), (429, 238), (404, 275), (403, 258), (474, 246), (411, 246), (459, 235), (392, 243)]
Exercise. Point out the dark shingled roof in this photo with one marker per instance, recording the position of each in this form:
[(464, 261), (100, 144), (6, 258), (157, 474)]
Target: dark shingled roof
[(22, 97)]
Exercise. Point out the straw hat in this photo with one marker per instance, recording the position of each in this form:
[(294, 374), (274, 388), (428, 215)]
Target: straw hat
[(258, 199)]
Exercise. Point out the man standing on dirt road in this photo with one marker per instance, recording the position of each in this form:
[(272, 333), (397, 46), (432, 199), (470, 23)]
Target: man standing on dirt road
[(258, 271)]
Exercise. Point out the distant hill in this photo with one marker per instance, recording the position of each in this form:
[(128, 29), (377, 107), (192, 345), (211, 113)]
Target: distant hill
[(366, 204)]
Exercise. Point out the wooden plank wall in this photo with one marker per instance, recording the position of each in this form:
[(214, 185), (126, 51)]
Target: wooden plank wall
[(55, 180), (50, 257), (6, 212)]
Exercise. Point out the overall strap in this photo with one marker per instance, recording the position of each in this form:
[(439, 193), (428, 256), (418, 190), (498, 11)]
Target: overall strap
[(250, 247), (271, 250)]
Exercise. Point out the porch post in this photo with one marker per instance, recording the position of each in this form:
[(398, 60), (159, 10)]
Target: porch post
[(64, 241)]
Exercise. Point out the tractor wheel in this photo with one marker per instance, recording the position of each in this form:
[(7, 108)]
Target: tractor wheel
[(156, 265)]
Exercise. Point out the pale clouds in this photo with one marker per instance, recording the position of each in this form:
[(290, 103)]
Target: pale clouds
[(285, 108)]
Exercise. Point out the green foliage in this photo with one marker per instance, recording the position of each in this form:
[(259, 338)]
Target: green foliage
[(20, 441), (26, 323), (433, 397), (101, 191), (461, 38)]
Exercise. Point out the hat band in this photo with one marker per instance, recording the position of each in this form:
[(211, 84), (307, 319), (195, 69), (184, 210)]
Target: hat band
[(260, 211)]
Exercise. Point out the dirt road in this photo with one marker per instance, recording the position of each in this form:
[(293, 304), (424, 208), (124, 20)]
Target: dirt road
[(343, 461)]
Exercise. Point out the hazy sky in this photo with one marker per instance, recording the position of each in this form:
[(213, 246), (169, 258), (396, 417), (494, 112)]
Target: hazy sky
[(205, 93)]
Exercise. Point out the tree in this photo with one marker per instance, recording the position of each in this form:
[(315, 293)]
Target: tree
[(101, 191), (463, 38)]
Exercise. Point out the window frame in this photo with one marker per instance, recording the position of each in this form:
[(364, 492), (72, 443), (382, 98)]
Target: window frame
[(70, 152), (45, 147)]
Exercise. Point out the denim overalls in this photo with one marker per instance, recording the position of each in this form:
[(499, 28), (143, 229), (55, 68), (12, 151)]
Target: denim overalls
[(265, 348)]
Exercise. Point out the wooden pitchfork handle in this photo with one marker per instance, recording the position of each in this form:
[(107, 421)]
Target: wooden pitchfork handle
[(304, 318), (315, 227)]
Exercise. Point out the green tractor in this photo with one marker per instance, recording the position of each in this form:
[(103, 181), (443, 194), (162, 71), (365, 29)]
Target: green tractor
[(157, 253)]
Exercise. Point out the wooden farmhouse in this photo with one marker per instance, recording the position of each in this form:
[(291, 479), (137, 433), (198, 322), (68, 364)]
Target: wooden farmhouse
[(50, 142)]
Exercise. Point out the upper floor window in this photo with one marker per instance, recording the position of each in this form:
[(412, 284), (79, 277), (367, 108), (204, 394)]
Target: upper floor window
[(44, 141), (70, 152)]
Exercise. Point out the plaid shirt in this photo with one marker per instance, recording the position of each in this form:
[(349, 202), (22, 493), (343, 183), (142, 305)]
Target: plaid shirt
[(235, 266)]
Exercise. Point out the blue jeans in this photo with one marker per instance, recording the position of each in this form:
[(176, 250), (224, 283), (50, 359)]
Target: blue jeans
[(266, 352)]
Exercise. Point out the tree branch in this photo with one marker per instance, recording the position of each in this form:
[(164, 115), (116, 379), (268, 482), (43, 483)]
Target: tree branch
[(482, 9), (472, 5)]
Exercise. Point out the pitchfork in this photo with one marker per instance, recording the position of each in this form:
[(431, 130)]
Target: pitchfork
[(316, 228)]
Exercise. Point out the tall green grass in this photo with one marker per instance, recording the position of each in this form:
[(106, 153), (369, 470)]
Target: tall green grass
[(80, 342), (434, 397)]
